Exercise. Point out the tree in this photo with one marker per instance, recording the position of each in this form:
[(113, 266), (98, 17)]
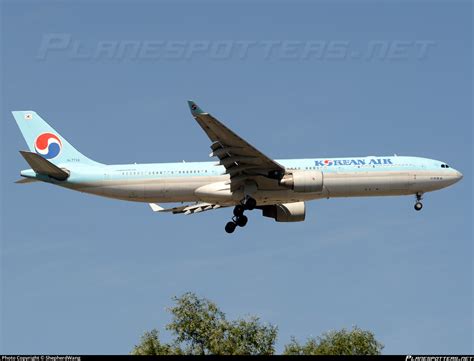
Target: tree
[(249, 337), (342, 342), (150, 345), (197, 323), (201, 328)]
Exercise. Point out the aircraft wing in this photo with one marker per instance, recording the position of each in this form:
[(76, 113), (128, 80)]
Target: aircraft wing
[(186, 209), (241, 160), (26, 180)]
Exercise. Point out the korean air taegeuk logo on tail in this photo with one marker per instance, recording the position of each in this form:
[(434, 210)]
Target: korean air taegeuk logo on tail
[(48, 145)]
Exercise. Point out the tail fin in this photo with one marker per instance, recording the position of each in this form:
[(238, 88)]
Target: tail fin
[(45, 141)]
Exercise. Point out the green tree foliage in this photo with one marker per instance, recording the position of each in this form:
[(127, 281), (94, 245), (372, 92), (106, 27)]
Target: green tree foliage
[(248, 337), (197, 323), (201, 328), (150, 345), (342, 342)]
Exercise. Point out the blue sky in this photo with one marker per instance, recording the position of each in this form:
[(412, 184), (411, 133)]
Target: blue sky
[(82, 274)]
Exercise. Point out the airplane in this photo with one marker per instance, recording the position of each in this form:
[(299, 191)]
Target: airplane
[(243, 177)]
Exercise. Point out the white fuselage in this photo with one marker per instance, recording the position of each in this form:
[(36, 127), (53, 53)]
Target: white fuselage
[(206, 182)]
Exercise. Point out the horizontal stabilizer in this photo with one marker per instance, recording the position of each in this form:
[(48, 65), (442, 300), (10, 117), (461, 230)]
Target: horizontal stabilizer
[(42, 166)]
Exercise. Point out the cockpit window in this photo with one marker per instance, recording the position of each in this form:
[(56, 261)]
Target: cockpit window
[(444, 166), (447, 166)]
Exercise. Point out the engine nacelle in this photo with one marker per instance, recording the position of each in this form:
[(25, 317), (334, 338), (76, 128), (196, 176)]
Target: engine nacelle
[(285, 212), (304, 181)]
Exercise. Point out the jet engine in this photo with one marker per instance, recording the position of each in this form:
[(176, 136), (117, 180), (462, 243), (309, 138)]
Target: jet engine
[(285, 212), (305, 181)]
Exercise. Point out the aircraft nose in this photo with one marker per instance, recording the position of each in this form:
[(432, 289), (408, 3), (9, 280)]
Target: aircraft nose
[(457, 175)]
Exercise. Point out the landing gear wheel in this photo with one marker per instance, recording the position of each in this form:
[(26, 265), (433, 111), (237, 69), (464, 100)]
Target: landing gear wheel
[(250, 203), (239, 210), (239, 219), (418, 206), (230, 227), (242, 221)]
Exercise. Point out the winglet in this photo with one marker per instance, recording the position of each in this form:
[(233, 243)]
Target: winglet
[(156, 208), (195, 110)]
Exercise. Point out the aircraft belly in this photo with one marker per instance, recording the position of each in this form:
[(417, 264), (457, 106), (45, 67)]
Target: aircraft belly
[(175, 189), (285, 196), (368, 183), (123, 191), (216, 189), (172, 190)]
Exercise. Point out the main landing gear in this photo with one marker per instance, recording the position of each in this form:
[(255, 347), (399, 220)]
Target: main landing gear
[(418, 204), (239, 219)]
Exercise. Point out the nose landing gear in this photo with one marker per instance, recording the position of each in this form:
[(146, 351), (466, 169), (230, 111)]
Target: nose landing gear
[(239, 218), (418, 204)]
